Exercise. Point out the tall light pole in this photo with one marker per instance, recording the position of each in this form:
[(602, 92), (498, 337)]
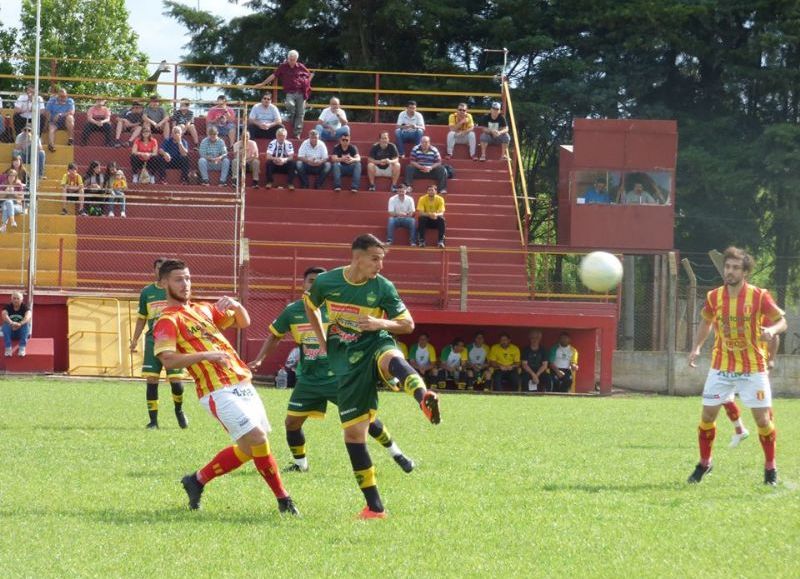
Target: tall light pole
[(34, 159)]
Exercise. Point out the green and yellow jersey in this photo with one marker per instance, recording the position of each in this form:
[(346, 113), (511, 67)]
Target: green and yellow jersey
[(422, 356), (477, 354), (453, 360), (152, 299), (313, 368)]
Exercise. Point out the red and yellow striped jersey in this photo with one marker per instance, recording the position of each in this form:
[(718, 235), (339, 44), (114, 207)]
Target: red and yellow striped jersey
[(737, 323), (196, 328)]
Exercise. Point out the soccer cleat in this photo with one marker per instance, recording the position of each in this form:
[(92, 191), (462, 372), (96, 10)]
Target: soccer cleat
[(152, 426), (294, 467), (699, 472), (736, 439), (405, 463), (771, 476), (183, 422), (286, 506), (367, 514), (193, 489), (430, 407)]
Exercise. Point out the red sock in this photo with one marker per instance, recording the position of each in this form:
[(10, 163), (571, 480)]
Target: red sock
[(268, 468), (706, 434), (227, 460), (767, 437)]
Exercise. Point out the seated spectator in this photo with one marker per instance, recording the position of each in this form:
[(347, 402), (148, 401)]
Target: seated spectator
[(98, 118), (183, 117), (60, 111), (346, 161), (478, 370), (16, 325), (94, 188), (401, 214), (155, 116), (402, 347), (13, 199), (131, 121), (264, 119), (18, 166), (23, 110), (312, 159), (223, 118), (453, 364), (213, 157), (290, 365), (146, 164), (535, 362), (598, 194), (638, 196), (175, 153), (116, 196), (563, 364), (383, 161), (23, 147), (72, 183), (332, 122), (410, 128), (495, 132), (430, 212), (426, 162), (250, 159), (422, 357), (280, 158), (462, 131), (504, 359)]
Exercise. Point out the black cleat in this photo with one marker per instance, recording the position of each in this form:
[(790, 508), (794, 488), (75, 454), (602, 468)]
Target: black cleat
[(430, 407), (405, 463), (183, 422), (287, 506), (771, 477), (152, 426), (194, 489), (294, 467), (699, 472)]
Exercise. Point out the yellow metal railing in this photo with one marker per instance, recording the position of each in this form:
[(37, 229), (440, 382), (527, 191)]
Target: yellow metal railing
[(524, 220)]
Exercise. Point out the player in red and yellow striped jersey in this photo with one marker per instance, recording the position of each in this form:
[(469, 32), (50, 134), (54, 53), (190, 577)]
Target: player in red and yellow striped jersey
[(189, 335), (739, 360)]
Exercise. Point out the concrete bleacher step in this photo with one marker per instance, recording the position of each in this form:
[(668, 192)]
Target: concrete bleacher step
[(39, 357)]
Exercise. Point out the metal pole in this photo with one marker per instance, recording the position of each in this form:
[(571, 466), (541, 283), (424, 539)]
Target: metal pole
[(691, 302), (671, 315), (464, 277), (629, 304), (34, 160)]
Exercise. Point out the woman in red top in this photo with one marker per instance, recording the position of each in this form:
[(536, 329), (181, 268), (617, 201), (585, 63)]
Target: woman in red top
[(13, 200), (145, 152)]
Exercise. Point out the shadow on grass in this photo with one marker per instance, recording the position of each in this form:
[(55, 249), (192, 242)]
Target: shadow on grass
[(171, 515), (652, 446), (600, 488), (93, 428)]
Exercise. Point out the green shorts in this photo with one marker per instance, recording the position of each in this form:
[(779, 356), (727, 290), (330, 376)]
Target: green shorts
[(151, 365), (358, 388), (312, 399)]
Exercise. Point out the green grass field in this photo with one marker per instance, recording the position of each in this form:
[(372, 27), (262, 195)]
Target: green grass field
[(506, 486)]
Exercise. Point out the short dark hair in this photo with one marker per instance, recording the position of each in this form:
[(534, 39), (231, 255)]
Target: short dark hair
[(457, 341), (365, 241), (411, 103), (600, 180), (424, 334), (505, 335), (313, 269), (169, 266), (478, 333), (222, 97), (158, 261), (748, 263), (564, 333)]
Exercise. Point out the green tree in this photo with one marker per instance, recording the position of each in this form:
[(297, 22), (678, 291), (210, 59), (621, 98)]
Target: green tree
[(8, 43)]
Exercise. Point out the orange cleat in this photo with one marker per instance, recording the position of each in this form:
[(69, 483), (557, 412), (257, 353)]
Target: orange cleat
[(430, 407), (367, 514)]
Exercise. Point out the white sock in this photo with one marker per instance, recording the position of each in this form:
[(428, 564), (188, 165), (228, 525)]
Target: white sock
[(302, 462), (394, 450)]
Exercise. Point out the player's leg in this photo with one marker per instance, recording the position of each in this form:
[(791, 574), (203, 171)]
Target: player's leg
[(152, 402), (756, 393), (740, 432), (151, 370), (176, 385), (307, 401), (706, 433), (380, 433), (296, 440), (355, 440), (392, 363)]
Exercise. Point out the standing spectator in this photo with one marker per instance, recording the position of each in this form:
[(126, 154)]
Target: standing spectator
[(214, 157), (280, 158), (410, 127), (312, 159), (332, 122), (264, 119), (453, 364), (478, 364), (426, 162), (60, 115), (98, 118), (223, 118), (16, 324), (597, 194), (462, 131), (401, 214), (117, 193), (563, 364), (504, 359), (249, 158), (24, 146), (72, 183), (383, 161), (183, 117), (535, 362), (13, 200), (295, 79), (422, 357), (94, 187), (346, 161), (131, 122), (175, 152), (145, 161), (495, 132), (155, 116), (23, 110), (430, 210)]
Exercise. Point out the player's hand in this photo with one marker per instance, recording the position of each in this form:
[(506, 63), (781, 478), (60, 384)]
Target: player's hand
[(220, 358), (693, 358), (133, 344), (226, 303), (369, 324), (255, 364), (767, 334)]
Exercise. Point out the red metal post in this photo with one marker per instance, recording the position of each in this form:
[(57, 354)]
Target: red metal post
[(60, 260), (443, 282), (377, 94), (294, 271)]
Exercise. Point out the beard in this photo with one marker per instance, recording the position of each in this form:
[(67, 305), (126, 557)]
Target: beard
[(178, 297)]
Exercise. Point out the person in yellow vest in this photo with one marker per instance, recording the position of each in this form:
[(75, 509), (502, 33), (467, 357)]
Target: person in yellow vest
[(504, 359)]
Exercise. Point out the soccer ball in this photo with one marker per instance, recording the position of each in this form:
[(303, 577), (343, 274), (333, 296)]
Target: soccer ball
[(600, 271)]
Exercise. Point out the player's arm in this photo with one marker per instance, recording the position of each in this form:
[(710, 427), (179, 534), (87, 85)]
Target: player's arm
[(703, 331), (315, 319), (175, 360), (267, 348), (769, 332), (240, 316), (137, 332), (399, 326)]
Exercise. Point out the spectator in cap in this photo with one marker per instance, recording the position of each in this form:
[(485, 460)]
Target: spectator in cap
[(495, 131)]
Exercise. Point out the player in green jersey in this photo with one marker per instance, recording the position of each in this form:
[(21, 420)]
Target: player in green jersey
[(316, 382), (152, 300), (364, 310)]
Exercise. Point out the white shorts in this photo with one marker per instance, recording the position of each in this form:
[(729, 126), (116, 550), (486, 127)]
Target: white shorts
[(753, 389), (238, 408), (383, 171)]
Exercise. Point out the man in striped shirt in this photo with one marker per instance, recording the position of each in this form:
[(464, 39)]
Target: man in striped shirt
[(426, 163), (739, 360)]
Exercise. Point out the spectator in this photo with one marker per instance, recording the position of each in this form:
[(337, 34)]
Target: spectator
[(422, 357), (264, 119), (495, 132), (332, 122), (346, 161), (383, 161), (146, 164), (410, 127), (401, 214), (402, 347), (214, 157), (250, 159), (19, 167), (280, 158), (453, 364), (13, 200), (478, 364), (72, 183), (290, 365), (23, 146), (23, 110), (312, 159), (16, 324), (638, 196), (430, 210), (563, 364), (223, 118), (598, 194), (98, 118), (175, 154), (60, 115), (183, 117), (117, 193), (295, 79), (462, 131), (535, 362), (131, 122), (426, 162), (94, 187), (504, 359), (155, 117)]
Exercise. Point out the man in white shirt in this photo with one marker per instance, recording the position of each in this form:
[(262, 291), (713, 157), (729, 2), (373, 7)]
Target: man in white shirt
[(264, 119), (401, 214), (23, 110), (332, 122), (410, 128), (280, 158), (312, 159)]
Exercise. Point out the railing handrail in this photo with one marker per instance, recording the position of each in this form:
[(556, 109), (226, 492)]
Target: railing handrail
[(523, 224)]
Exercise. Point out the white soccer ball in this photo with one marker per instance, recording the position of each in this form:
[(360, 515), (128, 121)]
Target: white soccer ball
[(600, 271)]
